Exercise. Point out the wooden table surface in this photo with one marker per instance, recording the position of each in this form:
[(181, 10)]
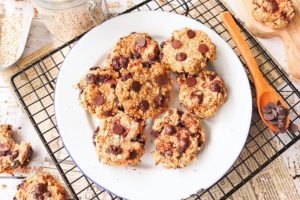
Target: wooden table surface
[(11, 112)]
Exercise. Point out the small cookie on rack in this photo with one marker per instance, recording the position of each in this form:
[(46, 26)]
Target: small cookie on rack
[(120, 140), (97, 92), (188, 51), (274, 13), (40, 186), (145, 90), (135, 46), (13, 156), (179, 137), (202, 94)]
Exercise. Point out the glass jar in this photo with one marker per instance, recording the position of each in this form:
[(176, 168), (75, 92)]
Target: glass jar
[(66, 19)]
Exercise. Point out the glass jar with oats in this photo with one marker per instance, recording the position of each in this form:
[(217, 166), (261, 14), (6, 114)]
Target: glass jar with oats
[(66, 19)]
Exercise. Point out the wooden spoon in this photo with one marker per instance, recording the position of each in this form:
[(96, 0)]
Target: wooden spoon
[(264, 92)]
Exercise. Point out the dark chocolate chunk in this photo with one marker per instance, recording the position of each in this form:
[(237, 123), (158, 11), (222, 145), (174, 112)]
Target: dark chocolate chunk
[(162, 44), (132, 154), (4, 149), (269, 116), (40, 188), (176, 44), (116, 150), (170, 129), (126, 77), (99, 100), (203, 48), (94, 68), (118, 129), (155, 133), (184, 144), (108, 113), (161, 79), (140, 42), (211, 77), (138, 138), (123, 62), (104, 78), (116, 63), (274, 5), (181, 56), (146, 64), (293, 128), (191, 34), (91, 79), (144, 105), (215, 86), (191, 81), (136, 55), (136, 86), (159, 100)]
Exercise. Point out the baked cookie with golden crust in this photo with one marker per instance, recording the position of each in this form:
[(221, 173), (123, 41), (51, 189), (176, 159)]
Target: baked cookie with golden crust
[(97, 92), (202, 94), (273, 13), (41, 186), (120, 140), (188, 51), (179, 137), (135, 46), (145, 90), (13, 156)]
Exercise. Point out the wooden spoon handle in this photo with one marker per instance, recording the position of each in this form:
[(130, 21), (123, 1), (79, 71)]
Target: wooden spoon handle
[(245, 51)]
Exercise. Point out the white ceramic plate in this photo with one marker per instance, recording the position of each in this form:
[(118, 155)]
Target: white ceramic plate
[(227, 131)]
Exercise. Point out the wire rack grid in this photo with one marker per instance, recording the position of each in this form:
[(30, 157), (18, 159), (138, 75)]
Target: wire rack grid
[(34, 86)]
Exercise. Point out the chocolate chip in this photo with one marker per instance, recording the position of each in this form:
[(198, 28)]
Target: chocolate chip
[(136, 55), (94, 68), (116, 150), (123, 62), (184, 144), (170, 129), (136, 86), (181, 124), (14, 155), (162, 44), (200, 98), (176, 44), (180, 113), (159, 100), (215, 86), (104, 78), (118, 129), (144, 105), (162, 79), (15, 164), (140, 42), (108, 113), (274, 5), (269, 116), (191, 81), (181, 56), (168, 153), (211, 77), (21, 185), (132, 154), (293, 128), (138, 138), (203, 48), (155, 133), (281, 110), (40, 188), (91, 79), (4, 149), (99, 100), (281, 126), (126, 77), (146, 64), (191, 34), (116, 63)]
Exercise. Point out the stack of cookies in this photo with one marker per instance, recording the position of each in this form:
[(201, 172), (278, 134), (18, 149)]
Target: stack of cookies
[(134, 84)]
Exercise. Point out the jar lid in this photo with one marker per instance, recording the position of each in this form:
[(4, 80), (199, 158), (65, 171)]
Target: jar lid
[(58, 4)]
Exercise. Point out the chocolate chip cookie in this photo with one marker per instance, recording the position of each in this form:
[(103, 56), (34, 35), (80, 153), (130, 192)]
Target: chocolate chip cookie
[(188, 51), (135, 46), (145, 90), (273, 13), (202, 94), (179, 137), (40, 186), (13, 156), (97, 92), (120, 140)]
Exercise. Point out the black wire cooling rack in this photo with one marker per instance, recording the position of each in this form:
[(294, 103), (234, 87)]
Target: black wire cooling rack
[(34, 86)]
